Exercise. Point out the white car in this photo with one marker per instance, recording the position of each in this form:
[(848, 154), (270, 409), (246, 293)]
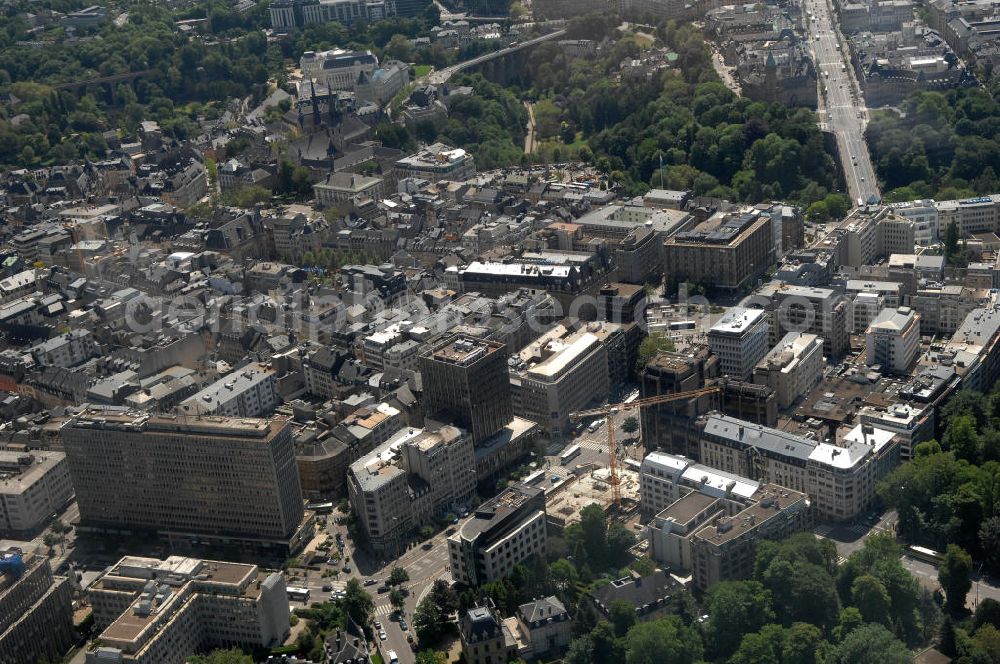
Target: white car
[(382, 635)]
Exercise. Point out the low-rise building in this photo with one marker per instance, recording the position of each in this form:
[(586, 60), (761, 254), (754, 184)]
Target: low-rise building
[(437, 162), (485, 637)]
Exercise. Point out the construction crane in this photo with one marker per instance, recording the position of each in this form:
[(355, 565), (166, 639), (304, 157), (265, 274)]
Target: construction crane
[(612, 409)]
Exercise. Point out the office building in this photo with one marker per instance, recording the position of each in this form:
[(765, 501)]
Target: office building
[(409, 480), (502, 532), (924, 215), (248, 392), (152, 611), (820, 311), (671, 426), (739, 338), (202, 479), (36, 610), (564, 371), (913, 423), (466, 382), (726, 251), (289, 14), (839, 477), (33, 486), (893, 340), (792, 368), (437, 162)]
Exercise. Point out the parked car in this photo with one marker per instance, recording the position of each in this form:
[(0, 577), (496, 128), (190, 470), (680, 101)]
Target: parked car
[(327, 588), (427, 546), (371, 582), (382, 635)]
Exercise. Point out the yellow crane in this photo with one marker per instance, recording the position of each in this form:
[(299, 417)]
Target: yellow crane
[(612, 409)]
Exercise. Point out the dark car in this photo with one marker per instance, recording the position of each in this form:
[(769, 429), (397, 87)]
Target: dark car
[(427, 546)]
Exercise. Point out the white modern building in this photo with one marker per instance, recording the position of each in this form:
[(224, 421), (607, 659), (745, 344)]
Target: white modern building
[(924, 215), (792, 368), (665, 478), (893, 340), (739, 338)]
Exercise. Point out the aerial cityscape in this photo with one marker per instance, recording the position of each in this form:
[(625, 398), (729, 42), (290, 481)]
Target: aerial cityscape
[(489, 331)]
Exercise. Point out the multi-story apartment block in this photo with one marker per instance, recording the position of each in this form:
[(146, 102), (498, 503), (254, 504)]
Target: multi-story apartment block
[(893, 340), (408, 480), (288, 14), (792, 368), (36, 610), (33, 486), (67, 350), (204, 479), (726, 547), (466, 382), (839, 478), (665, 478), (154, 611), (502, 532), (248, 392), (740, 339)]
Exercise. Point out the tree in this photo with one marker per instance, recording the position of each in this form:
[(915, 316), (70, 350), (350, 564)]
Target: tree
[(803, 644), (664, 640), (619, 540), (951, 241), (947, 640), (872, 599), (357, 603), (953, 575), (594, 528), (399, 48), (989, 543), (631, 424), (622, 616), (397, 599), (398, 576), (653, 345), (444, 596), (988, 613), (850, 619), (431, 657), (763, 647), (429, 622), (735, 608), (870, 644), (231, 656)]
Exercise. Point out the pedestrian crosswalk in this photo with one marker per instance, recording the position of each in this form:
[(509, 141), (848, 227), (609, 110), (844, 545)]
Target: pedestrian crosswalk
[(383, 609)]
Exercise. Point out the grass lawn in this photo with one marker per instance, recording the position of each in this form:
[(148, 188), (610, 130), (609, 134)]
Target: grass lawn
[(421, 70), (376, 657)]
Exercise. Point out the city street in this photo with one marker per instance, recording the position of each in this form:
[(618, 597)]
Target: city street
[(841, 106)]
